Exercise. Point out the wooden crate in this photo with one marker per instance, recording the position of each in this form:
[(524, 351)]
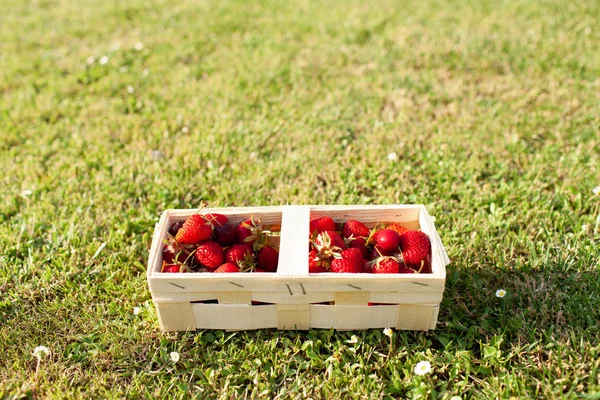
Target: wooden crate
[(294, 298)]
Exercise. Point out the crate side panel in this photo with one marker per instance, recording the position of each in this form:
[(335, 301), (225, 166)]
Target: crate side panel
[(416, 317), (175, 316), (234, 317), (405, 298), (293, 316), (327, 282), (352, 317), (370, 215)]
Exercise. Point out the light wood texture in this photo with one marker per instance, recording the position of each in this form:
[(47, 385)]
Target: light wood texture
[(175, 316), (234, 317), (351, 298), (411, 301), (293, 316), (416, 317), (293, 255), (234, 297), (326, 282), (352, 317)]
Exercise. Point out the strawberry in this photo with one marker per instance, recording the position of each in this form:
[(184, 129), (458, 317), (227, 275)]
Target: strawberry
[(267, 258), (216, 219), (399, 229), (360, 244), (377, 252), (237, 253), (248, 231), (416, 249), (355, 229), (225, 235), (385, 265), (174, 228), (227, 268), (316, 262), (348, 261), (322, 224), (172, 267), (386, 240), (194, 230), (329, 240), (257, 270), (404, 270), (209, 254)]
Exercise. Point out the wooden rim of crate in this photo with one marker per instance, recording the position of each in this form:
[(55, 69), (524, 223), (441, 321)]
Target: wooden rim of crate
[(292, 285)]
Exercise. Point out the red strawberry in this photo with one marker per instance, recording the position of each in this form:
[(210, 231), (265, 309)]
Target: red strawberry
[(399, 229), (416, 250), (360, 244), (172, 268), (355, 229), (329, 240), (386, 240), (248, 231), (216, 219), (209, 254), (267, 258), (322, 224), (238, 253), (194, 230), (349, 261), (225, 235), (385, 265), (317, 263), (257, 270), (227, 268)]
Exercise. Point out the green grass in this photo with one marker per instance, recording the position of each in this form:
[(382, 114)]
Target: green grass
[(492, 108)]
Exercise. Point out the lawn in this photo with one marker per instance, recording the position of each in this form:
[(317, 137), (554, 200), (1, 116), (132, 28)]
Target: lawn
[(111, 112)]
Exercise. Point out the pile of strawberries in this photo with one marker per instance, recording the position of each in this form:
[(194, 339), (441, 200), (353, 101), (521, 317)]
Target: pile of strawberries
[(389, 249), (209, 243)]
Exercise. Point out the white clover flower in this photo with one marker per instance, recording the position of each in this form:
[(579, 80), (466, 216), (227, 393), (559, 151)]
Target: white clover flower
[(174, 356), (130, 89), (353, 339), (104, 60), (136, 310), (139, 46), (392, 156), (455, 398), (145, 73), (41, 352), (596, 191), (185, 129), (500, 293), (90, 60), (423, 368), (26, 193), (584, 227), (388, 332)]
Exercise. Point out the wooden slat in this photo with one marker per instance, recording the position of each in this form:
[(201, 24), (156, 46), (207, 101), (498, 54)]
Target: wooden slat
[(293, 316), (293, 256), (351, 298), (265, 282), (405, 298), (234, 297), (175, 316), (352, 317), (234, 317), (297, 298), (416, 317)]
